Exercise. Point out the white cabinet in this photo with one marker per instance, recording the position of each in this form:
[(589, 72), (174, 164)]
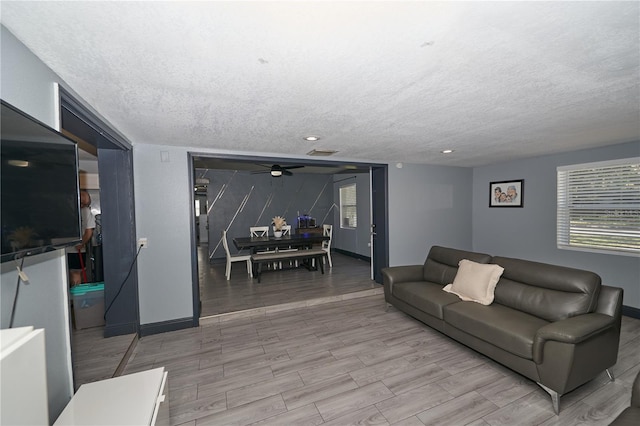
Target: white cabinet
[(23, 389), (134, 399)]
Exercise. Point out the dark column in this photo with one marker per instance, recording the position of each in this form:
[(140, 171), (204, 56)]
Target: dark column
[(118, 241)]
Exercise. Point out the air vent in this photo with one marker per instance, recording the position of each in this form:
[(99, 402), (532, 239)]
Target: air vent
[(321, 152)]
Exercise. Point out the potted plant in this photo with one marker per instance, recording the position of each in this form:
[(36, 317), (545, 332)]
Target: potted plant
[(278, 223)]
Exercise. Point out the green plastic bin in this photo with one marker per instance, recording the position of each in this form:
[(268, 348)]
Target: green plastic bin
[(88, 305)]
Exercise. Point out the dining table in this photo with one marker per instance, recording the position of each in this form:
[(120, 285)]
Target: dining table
[(301, 241)]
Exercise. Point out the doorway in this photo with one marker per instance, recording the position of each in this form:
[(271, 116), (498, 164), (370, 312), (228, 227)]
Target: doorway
[(111, 156), (115, 159), (208, 263)]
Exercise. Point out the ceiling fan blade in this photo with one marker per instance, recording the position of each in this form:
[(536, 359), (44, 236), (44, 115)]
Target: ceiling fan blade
[(255, 172), (292, 167), (286, 172)]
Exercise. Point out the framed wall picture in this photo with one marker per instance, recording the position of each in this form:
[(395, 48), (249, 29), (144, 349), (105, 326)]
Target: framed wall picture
[(507, 193)]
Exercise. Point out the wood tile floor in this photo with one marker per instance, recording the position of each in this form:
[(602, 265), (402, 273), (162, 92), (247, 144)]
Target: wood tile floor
[(352, 362), (97, 358), (279, 287)]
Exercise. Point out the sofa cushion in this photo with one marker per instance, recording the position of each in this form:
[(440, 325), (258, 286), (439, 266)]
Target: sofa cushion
[(547, 291), (441, 265), (475, 282), (506, 328), (428, 297)]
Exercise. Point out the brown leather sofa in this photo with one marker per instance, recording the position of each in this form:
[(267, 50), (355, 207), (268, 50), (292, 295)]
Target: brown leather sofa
[(631, 415), (557, 326)]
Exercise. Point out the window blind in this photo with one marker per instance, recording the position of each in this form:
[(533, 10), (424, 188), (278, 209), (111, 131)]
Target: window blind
[(599, 206), (348, 206)]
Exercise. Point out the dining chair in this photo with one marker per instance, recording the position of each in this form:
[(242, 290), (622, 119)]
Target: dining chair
[(259, 231), (327, 231), (234, 258), (286, 230)]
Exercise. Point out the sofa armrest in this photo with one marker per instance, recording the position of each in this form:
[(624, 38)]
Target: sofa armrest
[(400, 274), (571, 330), (610, 301)]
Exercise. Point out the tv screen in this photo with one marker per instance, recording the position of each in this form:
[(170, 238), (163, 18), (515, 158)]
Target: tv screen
[(39, 187)]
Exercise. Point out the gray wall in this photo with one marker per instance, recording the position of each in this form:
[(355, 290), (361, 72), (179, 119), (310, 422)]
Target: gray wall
[(163, 215), (285, 196), (428, 205), (28, 84), (353, 240), (530, 232)]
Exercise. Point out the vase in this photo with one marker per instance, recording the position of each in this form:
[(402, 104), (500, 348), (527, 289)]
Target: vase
[(277, 234)]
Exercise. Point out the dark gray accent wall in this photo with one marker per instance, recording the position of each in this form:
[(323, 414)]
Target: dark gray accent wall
[(530, 232), (237, 200)]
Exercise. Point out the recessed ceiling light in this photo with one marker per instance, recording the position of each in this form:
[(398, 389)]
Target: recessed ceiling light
[(447, 151), (311, 138)]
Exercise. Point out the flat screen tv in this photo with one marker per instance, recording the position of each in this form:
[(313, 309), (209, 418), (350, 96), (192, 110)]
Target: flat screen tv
[(39, 187)]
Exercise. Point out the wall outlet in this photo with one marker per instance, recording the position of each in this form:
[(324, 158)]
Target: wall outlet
[(142, 242)]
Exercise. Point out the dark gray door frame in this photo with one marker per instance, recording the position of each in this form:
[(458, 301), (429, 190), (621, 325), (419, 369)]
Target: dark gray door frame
[(119, 242), (380, 214), (380, 221), (195, 282), (115, 164)]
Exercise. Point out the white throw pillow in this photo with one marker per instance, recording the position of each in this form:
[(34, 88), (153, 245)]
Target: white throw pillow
[(475, 282)]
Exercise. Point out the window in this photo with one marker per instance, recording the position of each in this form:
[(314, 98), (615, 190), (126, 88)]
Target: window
[(599, 207), (348, 206)]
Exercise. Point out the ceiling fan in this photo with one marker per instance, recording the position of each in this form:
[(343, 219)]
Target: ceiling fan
[(277, 170)]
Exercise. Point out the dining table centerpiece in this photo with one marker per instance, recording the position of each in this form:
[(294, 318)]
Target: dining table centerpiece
[(278, 223)]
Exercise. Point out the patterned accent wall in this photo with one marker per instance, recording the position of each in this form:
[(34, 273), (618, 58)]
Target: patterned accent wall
[(237, 200)]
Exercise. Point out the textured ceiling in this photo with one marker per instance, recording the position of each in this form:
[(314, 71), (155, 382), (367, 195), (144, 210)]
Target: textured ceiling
[(378, 81)]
